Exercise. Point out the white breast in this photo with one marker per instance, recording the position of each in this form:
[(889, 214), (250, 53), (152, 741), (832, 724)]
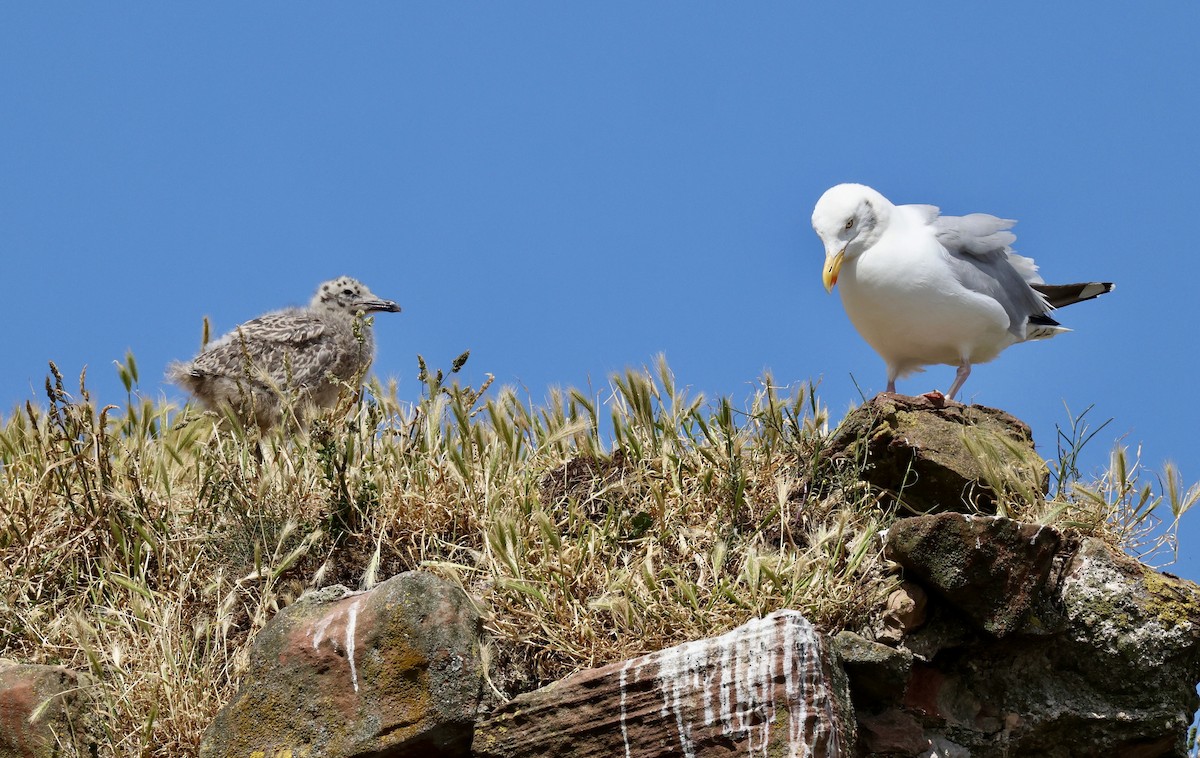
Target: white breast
[(906, 303)]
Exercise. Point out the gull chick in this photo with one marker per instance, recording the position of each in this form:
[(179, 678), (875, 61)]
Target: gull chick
[(289, 358), (922, 288)]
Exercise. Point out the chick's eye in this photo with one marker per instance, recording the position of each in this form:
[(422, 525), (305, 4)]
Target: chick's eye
[(347, 292), (850, 223)]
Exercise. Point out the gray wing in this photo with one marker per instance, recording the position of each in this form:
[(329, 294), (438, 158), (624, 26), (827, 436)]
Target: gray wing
[(979, 250), (283, 349)]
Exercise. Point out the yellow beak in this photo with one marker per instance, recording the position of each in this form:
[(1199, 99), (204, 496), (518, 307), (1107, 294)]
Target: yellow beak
[(833, 264)]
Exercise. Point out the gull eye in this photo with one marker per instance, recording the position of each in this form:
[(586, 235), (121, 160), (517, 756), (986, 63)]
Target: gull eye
[(850, 223), (347, 292)]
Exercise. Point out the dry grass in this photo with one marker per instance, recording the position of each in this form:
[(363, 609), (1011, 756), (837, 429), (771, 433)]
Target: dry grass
[(146, 544)]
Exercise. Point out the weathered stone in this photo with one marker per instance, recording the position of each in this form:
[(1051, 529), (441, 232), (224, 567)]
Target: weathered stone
[(945, 628), (391, 672), (45, 711), (891, 732), (928, 453), (878, 674), (1116, 678), (769, 687), (1134, 618), (940, 747), (905, 612), (990, 568)]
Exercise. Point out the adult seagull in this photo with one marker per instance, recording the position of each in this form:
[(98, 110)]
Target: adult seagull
[(922, 288)]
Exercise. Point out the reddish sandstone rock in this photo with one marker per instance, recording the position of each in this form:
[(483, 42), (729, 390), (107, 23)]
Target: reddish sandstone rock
[(391, 672), (905, 613), (45, 711), (892, 732), (769, 687)]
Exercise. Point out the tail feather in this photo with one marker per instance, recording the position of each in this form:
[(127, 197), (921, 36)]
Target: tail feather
[(1062, 295)]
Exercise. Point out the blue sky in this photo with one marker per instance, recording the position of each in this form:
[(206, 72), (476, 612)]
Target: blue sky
[(570, 189)]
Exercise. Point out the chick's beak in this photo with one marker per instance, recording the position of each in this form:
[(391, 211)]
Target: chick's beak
[(833, 264), (375, 306)]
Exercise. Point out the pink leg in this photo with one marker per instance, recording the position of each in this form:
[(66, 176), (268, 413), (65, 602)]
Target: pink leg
[(891, 385), (964, 370)]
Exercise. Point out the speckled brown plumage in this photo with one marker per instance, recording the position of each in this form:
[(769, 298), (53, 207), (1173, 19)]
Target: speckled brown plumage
[(297, 356)]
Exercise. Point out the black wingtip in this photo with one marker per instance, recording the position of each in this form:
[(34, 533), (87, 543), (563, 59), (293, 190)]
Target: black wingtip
[(1042, 319), (1062, 295)]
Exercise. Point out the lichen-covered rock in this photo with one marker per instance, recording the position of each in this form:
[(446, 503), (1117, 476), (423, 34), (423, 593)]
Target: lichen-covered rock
[(1134, 618), (990, 568), (769, 687), (45, 712), (930, 453), (1113, 674), (391, 672)]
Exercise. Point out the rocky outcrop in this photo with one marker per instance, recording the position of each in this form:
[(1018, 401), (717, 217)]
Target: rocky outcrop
[(931, 453), (1001, 639), (1005, 638), (1034, 645), (45, 712), (391, 672), (769, 687)]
